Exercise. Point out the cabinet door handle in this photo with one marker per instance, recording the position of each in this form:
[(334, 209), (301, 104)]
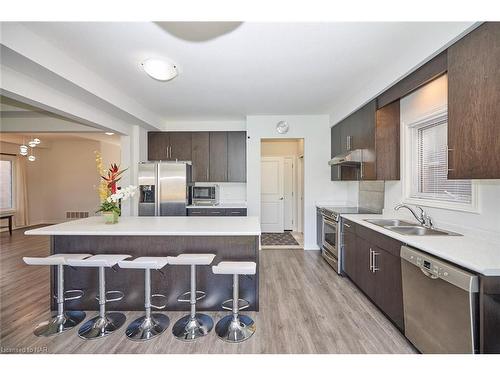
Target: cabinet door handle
[(347, 225), (375, 268), (448, 161), (371, 260)]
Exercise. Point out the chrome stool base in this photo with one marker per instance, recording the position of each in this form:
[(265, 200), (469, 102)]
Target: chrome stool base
[(59, 323), (188, 329), (99, 327), (235, 331), (143, 329)]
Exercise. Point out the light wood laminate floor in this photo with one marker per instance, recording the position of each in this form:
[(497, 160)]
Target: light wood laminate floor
[(305, 308)]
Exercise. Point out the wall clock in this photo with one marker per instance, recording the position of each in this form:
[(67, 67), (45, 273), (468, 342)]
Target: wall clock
[(282, 127)]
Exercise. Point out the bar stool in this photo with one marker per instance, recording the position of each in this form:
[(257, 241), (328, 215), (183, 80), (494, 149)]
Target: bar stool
[(150, 325), (63, 320), (194, 325), (235, 327), (105, 323)]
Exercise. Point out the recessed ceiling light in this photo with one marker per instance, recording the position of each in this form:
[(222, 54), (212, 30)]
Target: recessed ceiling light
[(109, 133), (160, 70), (31, 158), (37, 141), (32, 143)]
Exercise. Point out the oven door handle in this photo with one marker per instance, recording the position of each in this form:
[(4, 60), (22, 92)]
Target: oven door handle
[(327, 255), (330, 222)]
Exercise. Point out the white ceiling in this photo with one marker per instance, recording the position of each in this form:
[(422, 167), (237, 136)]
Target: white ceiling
[(254, 68)]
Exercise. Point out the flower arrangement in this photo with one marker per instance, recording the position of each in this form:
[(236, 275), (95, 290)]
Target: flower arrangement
[(110, 194)]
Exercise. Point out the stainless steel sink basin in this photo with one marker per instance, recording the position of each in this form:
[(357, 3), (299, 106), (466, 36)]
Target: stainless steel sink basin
[(415, 230), (409, 229), (389, 222)]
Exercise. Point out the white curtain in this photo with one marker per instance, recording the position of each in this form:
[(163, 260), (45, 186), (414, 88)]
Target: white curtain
[(21, 217)]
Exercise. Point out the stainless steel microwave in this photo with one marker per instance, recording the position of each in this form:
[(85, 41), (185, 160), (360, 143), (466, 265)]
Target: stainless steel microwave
[(207, 195)]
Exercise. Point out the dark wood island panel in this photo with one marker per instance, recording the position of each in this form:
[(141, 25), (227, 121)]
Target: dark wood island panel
[(173, 281)]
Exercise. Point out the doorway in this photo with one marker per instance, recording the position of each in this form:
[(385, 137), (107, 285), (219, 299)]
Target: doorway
[(282, 181)]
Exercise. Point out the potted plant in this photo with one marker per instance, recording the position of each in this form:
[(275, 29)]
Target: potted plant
[(110, 194)]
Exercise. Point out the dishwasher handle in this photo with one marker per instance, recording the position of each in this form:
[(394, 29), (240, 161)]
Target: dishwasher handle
[(428, 274)]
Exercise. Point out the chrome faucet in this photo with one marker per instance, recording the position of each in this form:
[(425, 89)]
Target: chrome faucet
[(423, 218)]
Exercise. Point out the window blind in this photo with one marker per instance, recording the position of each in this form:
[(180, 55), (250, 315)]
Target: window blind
[(431, 180)]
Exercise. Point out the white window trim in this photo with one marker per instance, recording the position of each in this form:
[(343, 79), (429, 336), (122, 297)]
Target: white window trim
[(406, 165), (13, 209)]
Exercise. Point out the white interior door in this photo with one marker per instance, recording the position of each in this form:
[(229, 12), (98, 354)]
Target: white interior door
[(288, 193), (271, 209), (300, 194)]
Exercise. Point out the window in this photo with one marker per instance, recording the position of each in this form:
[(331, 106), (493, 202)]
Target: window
[(428, 167), (6, 185)]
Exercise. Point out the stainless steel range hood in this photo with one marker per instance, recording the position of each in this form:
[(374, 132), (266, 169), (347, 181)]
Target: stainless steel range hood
[(350, 158)]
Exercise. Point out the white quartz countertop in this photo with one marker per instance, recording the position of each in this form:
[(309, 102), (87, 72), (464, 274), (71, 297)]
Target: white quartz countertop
[(467, 251), (156, 226)]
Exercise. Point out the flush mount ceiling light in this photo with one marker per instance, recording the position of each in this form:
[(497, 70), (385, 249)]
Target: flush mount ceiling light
[(160, 70)]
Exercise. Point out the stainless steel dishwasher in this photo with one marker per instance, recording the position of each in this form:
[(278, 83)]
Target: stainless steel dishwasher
[(440, 304)]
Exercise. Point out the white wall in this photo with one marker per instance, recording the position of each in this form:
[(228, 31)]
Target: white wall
[(64, 178), (487, 221), (317, 187)]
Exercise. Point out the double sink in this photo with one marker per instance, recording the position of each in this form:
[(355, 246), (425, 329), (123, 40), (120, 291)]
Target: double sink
[(410, 229)]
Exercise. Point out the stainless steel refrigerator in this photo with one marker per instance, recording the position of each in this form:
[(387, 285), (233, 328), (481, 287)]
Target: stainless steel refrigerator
[(164, 188)]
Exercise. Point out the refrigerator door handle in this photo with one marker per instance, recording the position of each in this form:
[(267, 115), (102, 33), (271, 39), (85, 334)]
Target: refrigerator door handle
[(157, 191)]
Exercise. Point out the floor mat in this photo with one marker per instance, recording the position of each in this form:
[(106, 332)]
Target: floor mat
[(278, 239)]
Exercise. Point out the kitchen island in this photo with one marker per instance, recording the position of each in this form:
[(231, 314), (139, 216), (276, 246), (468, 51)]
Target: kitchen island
[(229, 238)]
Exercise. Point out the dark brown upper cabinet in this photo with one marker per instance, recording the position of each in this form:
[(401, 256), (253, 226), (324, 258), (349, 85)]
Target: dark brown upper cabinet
[(169, 146), (158, 145), (218, 157), (356, 132), (236, 156), (474, 104), (180, 146), (387, 145), (200, 156)]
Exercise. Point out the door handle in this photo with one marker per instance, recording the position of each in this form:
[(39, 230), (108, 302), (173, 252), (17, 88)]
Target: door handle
[(371, 260)]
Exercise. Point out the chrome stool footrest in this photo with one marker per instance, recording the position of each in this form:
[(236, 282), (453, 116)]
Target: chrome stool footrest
[(119, 296), (242, 304), (78, 293), (199, 295), (160, 297)]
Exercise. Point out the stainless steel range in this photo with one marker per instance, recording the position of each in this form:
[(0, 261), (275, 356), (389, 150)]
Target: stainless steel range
[(331, 243)]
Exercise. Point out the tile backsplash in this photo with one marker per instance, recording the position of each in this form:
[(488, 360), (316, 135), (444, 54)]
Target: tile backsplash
[(371, 195)]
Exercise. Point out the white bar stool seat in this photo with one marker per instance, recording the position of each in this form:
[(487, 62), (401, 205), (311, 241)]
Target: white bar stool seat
[(149, 325), (105, 323), (235, 328), (194, 325), (62, 320)]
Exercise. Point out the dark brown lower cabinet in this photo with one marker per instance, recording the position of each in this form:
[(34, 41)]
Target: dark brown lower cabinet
[(389, 292), (489, 316), (375, 270), (209, 211)]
